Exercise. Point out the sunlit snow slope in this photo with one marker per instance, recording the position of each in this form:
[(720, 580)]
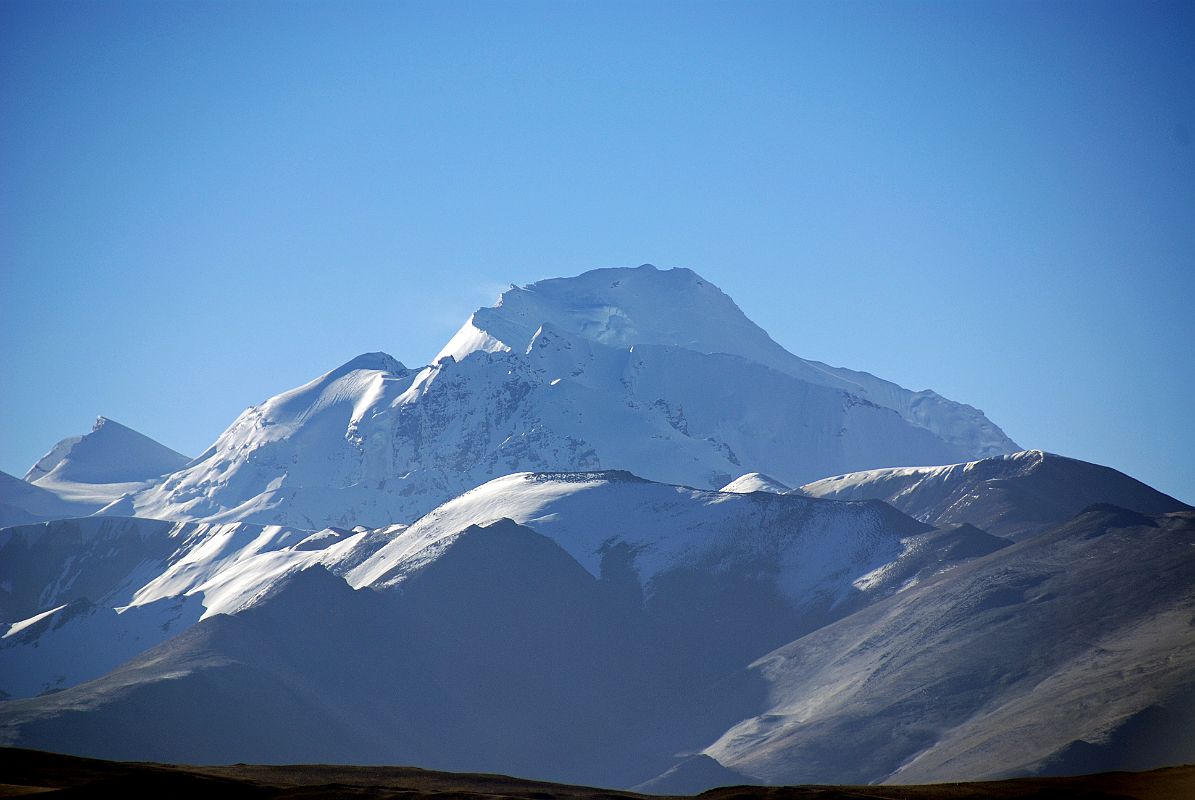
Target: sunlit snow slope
[(79, 596)]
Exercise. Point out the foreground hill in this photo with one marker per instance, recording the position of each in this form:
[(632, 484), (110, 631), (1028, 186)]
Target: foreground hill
[(21, 502), (1069, 650), (798, 651), (24, 771)]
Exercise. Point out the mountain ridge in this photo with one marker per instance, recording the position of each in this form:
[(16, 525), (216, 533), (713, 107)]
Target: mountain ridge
[(1012, 495)]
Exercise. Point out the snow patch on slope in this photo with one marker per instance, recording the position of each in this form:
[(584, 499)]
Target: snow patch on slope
[(756, 482)]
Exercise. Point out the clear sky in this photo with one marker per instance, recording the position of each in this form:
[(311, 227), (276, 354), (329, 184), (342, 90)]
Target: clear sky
[(203, 204)]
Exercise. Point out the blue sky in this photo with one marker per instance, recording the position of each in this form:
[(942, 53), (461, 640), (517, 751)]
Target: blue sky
[(203, 204)]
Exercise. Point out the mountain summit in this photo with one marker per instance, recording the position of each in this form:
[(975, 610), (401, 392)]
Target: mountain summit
[(83, 474), (110, 453), (624, 307)]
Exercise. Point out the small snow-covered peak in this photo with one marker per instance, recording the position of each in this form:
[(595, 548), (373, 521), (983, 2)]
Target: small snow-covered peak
[(352, 380), (756, 482), (333, 432), (110, 453), (379, 361)]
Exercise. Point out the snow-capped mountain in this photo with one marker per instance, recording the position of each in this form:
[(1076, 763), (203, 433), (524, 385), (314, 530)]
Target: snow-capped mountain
[(518, 559), (82, 474), (656, 372), (622, 308), (1013, 495)]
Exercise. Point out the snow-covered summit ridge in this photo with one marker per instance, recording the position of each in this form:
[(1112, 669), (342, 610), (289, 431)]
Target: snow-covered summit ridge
[(358, 379), (1020, 462), (623, 307), (804, 545), (1012, 495), (110, 453), (329, 435)]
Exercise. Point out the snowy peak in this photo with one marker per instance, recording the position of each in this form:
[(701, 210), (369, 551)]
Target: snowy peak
[(379, 362), (328, 439), (756, 482), (624, 307), (83, 474), (352, 380), (656, 371), (111, 453), (619, 307), (354, 387)]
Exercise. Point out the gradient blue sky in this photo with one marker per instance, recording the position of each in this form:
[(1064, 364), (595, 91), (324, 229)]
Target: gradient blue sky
[(203, 204)]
